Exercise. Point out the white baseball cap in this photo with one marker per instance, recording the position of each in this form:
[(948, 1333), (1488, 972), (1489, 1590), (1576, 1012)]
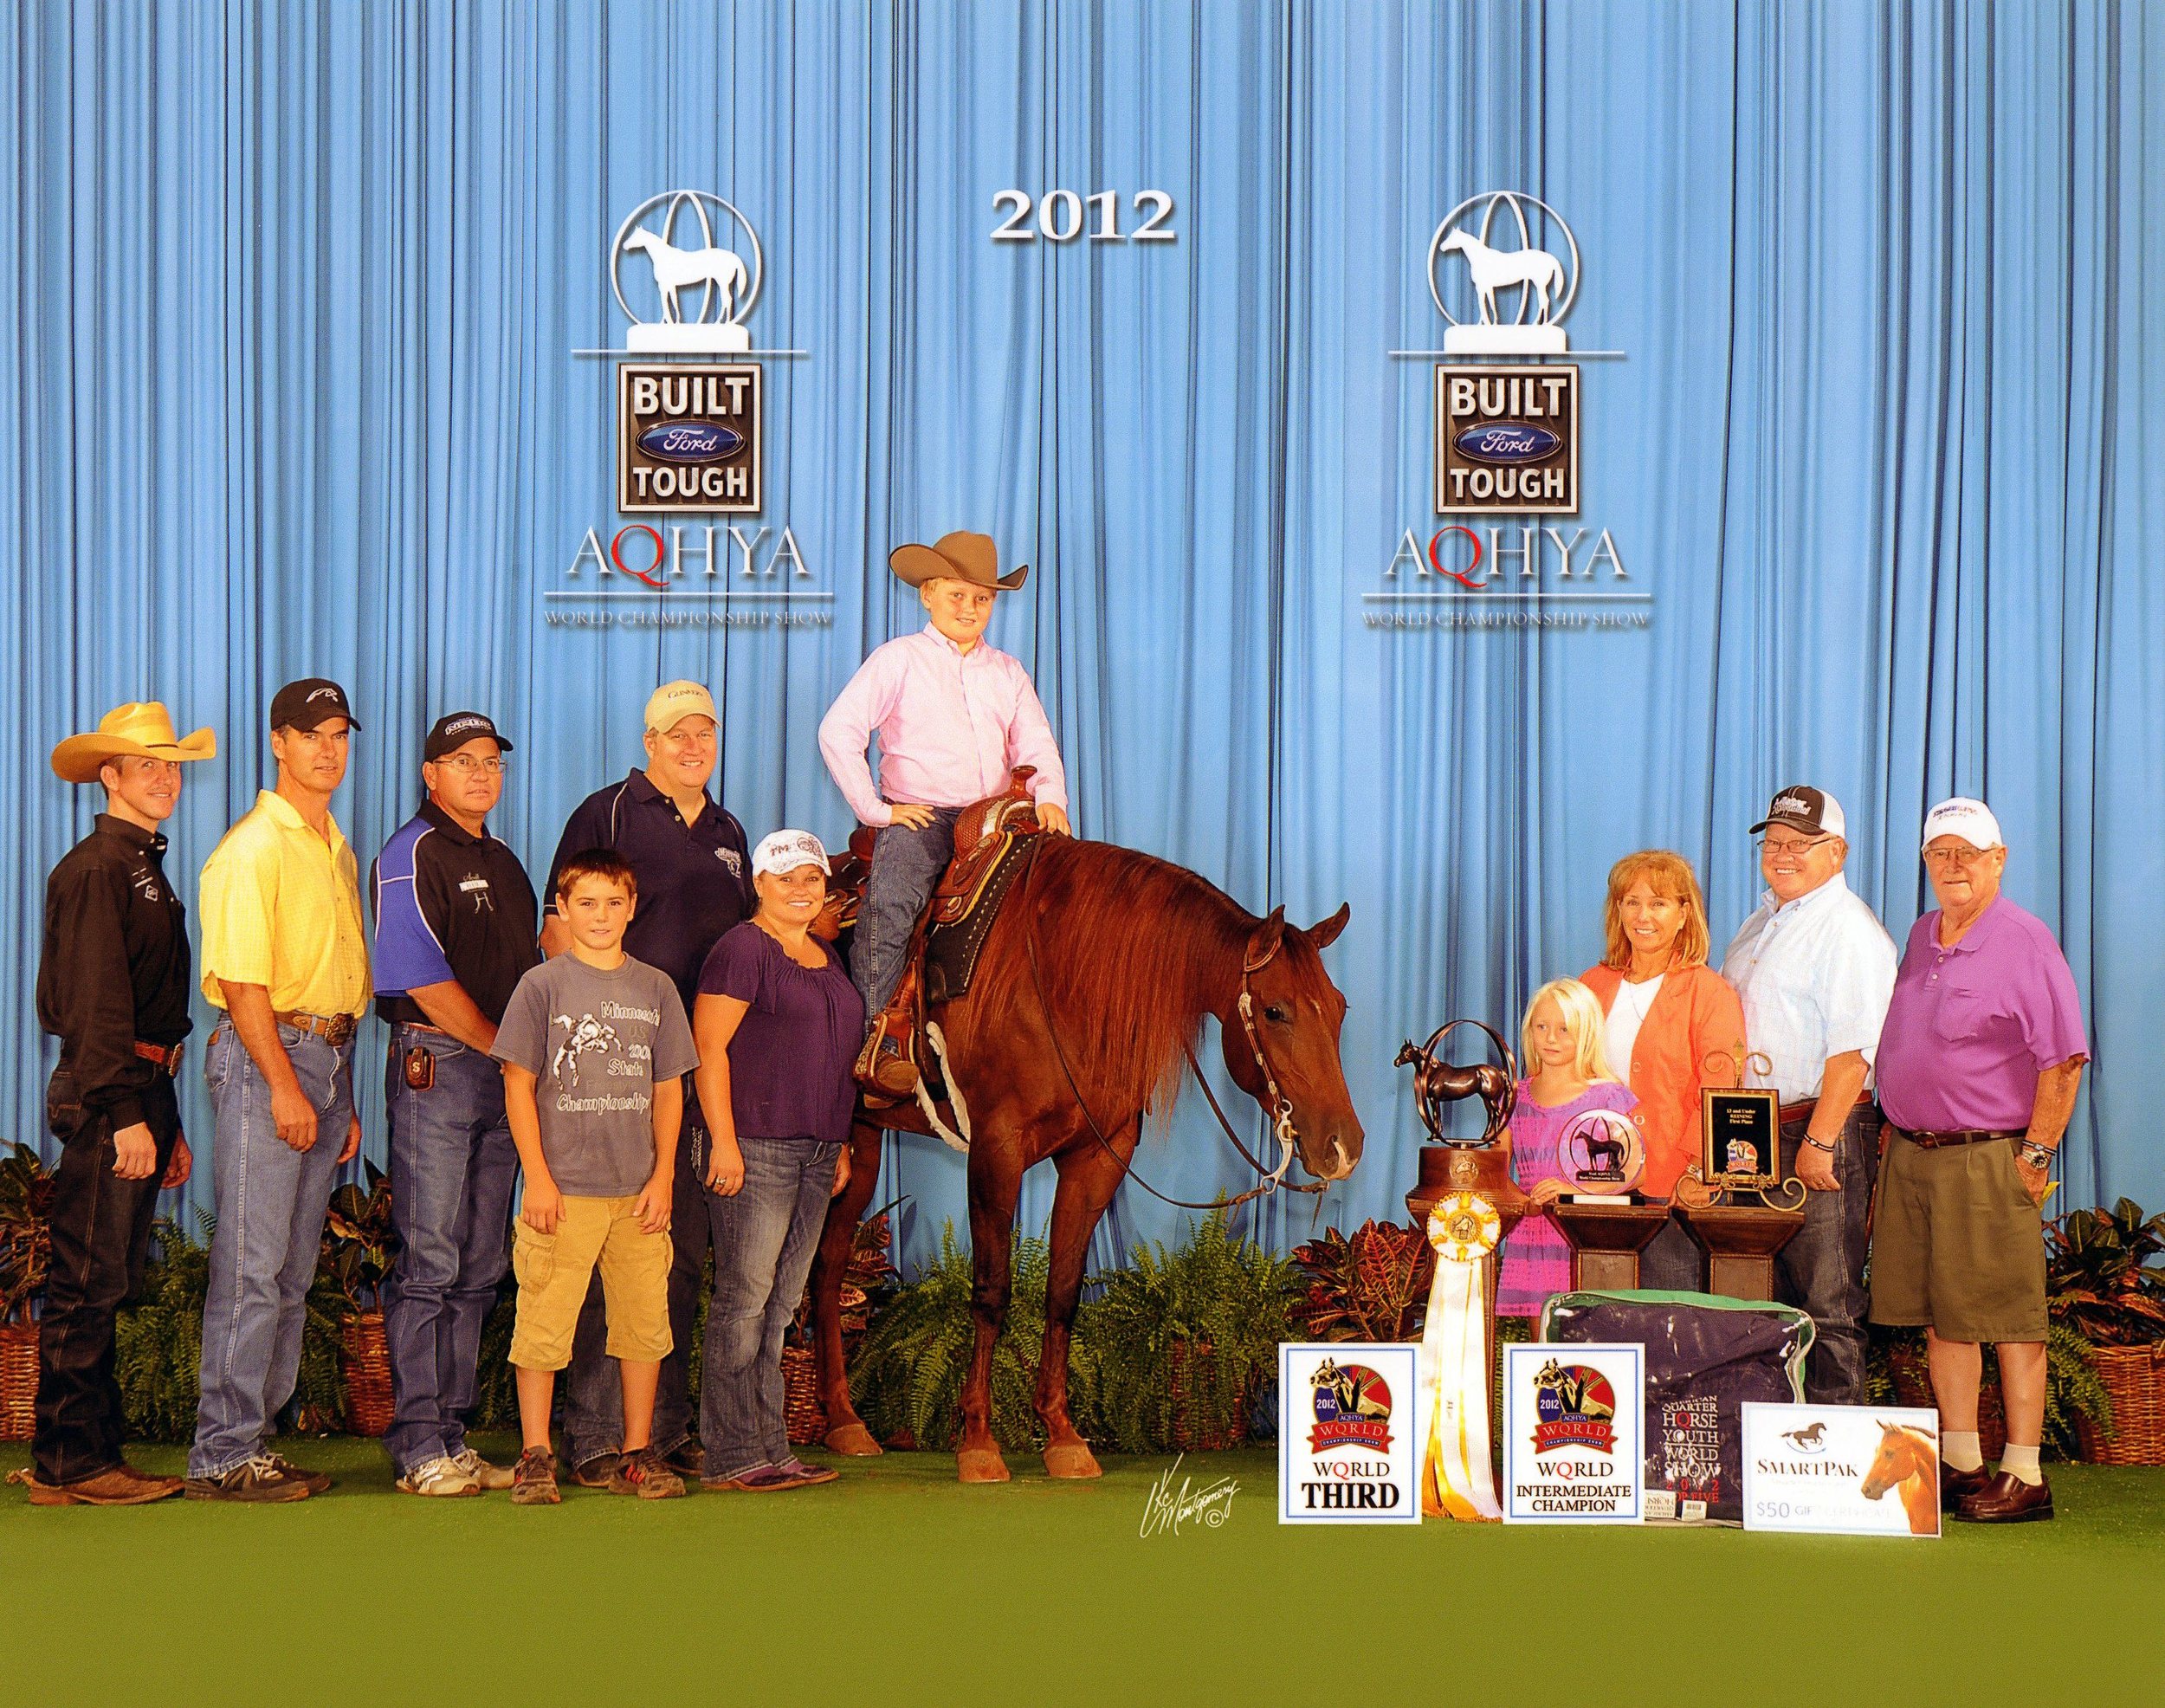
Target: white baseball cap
[(674, 702), (1971, 821), (785, 850)]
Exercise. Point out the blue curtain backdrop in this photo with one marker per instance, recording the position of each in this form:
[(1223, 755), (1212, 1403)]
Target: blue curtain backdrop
[(293, 292)]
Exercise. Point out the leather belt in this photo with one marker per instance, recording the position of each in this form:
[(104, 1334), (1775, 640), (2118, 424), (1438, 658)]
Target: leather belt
[(1803, 1111), (334, 1029), (1966, 1135), (165, 1056)]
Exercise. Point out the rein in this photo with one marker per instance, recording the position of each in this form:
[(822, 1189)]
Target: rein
[(1280, 1107)]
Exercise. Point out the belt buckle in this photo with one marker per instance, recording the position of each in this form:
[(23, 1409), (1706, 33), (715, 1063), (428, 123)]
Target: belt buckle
[(172, 1063), (337, 1031)]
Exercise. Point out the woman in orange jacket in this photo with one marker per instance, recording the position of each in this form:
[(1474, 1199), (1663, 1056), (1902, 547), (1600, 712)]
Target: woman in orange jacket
[(1665, 1011)]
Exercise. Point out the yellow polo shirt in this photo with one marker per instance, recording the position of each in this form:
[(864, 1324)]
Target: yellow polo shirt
[(281, 908)]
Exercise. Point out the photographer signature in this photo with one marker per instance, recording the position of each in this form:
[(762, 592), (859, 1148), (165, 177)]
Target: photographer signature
[(1165, 1509)]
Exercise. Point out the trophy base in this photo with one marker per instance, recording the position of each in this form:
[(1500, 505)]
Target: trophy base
[(688, 337), (1740, 1241), (1482, 1168), (1477, 339), (1605, 1240)]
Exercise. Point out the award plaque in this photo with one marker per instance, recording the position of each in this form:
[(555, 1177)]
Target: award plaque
[(1740, 1156)]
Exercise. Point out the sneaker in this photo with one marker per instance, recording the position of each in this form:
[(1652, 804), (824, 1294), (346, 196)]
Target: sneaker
[(438, 1476), (262, 1478), (761, 1480), (534, 1479), (644, 1473), (316, 1482), (687, 1458), (809, 1475), (484, 1475), (597, 1472)]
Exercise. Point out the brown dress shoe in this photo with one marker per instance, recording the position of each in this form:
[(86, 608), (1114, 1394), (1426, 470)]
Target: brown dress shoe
[(1957, 1486), (118, 1486), (2007, 1500)]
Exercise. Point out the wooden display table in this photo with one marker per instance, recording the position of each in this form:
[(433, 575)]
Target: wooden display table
[(1605, 1240), (1740, 1241)]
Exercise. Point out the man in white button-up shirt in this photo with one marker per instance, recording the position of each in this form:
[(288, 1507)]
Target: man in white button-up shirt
[(1816, 970)]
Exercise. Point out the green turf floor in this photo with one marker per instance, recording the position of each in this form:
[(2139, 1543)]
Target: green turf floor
[(897, 1586)]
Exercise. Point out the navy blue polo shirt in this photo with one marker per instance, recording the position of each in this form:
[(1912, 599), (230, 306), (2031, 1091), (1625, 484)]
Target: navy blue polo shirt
[(449, 906), (694, 880)]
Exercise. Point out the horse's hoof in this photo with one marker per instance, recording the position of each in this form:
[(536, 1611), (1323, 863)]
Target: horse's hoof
[(1071, 1462), (852, 1440), (980, 1465)]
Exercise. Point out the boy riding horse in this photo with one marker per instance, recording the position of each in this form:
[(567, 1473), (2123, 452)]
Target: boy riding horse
[(954, 715)]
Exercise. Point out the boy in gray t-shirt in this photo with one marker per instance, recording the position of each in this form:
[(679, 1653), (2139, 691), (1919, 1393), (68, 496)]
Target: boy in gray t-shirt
[(594, 1045)]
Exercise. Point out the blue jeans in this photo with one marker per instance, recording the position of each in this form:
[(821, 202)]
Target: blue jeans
[(766, 1236), (452, 1166), (1821, 1270), (905, 867), (271, 1201)]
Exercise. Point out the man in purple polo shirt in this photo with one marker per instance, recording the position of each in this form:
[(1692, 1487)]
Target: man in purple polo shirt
[(1979, 1062)]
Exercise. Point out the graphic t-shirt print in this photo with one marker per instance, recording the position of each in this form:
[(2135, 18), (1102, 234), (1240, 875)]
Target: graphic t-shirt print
[(595, 1067)]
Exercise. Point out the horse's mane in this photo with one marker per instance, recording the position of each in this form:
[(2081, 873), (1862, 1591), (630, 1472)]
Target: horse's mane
[(1129, 947)]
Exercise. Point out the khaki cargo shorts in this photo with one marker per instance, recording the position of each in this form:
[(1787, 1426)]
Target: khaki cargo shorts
[(555, 1269), (1957, 1245)]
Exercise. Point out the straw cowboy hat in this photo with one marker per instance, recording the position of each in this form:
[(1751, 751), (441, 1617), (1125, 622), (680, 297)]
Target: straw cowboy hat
[(140, 729), (958, 557)]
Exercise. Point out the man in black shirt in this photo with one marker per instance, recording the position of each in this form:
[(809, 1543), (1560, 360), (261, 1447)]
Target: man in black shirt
[(455, 931), (694, 868), (113, 980)]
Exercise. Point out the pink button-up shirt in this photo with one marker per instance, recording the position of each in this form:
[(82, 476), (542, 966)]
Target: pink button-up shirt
[(951, 726)]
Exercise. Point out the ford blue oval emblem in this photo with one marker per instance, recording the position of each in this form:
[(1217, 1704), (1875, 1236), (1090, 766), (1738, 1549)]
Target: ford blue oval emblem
[(1507, 442), (693, 440)]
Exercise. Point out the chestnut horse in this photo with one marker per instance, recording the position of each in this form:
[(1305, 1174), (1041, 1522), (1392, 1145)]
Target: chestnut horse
[(1100, 966), (1907, 1459)]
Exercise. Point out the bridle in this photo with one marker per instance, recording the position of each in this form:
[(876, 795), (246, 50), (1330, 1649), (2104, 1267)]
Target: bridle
[(1278, 1107)]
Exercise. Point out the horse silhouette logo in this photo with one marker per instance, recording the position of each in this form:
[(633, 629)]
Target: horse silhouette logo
[(582, 1035), (1352, 1406), (1601, 1150), (704, 285), (1545, 282), (1810, 1439)]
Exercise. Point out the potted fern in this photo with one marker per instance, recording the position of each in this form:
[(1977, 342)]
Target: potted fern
[(352, 1264), (2104, 1283), (1179, 1342), (906, 1375), (26, 1251)]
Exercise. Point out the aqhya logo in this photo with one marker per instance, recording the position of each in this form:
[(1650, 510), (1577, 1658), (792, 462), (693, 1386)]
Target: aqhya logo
[(1352, 1409), (1574, 1406)]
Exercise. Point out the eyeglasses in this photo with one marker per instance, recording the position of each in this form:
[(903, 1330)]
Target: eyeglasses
[(1955, 857), (466, 765), (1792, 844)]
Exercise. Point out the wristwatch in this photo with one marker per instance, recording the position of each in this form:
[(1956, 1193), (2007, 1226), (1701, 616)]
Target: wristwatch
[(2036, 1155)]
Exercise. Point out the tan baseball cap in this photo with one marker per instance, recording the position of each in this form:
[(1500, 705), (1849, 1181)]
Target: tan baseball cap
[(674, 702)]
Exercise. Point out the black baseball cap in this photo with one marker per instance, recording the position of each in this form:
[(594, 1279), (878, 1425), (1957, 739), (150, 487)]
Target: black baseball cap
[(455, 729), (1805, 808), (305, 703)]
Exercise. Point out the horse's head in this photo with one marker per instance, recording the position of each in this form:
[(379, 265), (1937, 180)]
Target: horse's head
[(640, 238), (1895, 1462), (1455, 241), (1296, 1013)]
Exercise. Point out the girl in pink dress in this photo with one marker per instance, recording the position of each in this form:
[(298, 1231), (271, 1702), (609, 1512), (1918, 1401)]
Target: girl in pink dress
[(1561, 1042)]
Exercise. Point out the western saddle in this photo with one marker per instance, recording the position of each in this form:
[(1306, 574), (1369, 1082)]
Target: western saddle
[(994, 839)]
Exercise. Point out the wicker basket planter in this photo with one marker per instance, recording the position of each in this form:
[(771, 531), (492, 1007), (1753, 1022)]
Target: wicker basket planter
[(18, 1381), (365, 1366), (1913, 1387), (801, 1410), (1190, 1365), (2134, 1378)]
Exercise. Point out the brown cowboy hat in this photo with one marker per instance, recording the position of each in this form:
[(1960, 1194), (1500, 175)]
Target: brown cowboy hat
[(958, 557), (140, 729)]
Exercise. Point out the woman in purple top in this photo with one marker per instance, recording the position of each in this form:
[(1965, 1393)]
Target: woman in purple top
[(1561, 1040), (777, 1022)]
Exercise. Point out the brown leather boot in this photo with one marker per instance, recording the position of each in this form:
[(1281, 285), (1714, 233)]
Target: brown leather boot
[(2007, 1500)]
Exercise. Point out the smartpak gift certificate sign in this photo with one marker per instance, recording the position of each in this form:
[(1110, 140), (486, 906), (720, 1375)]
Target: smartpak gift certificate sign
[(1848, 1469)]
